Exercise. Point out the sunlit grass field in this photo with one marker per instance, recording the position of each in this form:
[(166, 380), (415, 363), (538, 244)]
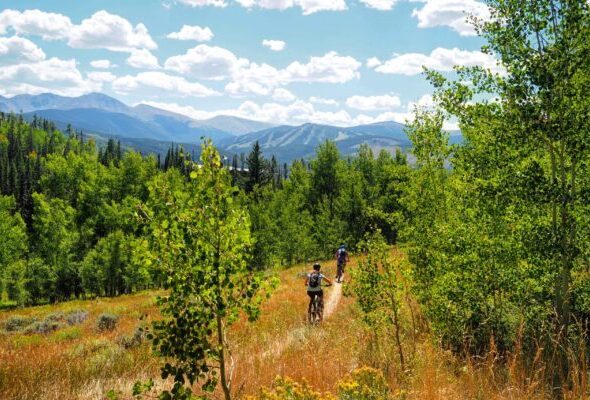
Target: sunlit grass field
[(81, 362)]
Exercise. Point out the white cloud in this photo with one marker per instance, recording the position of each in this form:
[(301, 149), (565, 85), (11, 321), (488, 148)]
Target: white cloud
[(154, 82), (372, 103), (101, 64), (205, 61), (202, 3), (51, 75), (307, 6), (101, 76), (329, 68), (14, 50), (262, 79), (109, 31), (451, 13), (373, 62), (283, 95), (142, 59), (49, 26), (326, 102), (188, 32), (382, 5), (440, 59), (274, 45), (252, 78)]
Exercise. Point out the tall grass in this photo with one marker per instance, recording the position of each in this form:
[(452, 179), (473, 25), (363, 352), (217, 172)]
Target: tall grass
[(82, 362)]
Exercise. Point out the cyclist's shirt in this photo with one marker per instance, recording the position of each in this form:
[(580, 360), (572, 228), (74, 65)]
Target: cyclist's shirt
[(341, 256), (318, 288)]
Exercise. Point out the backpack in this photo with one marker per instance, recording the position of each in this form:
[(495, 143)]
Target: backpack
[(314, 279), (341, 255)]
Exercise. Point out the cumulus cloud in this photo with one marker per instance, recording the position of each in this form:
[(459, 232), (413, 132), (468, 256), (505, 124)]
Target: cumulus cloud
[(155, 82), (383, 5), (283, 95), (49, 26), (192, 32), (307, 6), (329, 68), (143, 59), (202, 3), (101, 31), (14, 50), (52, 75), (439, 59), (253, 78), (262, 79), (274, 45), (372, 103), (101, 76), (326, 102), (246, 77), (451, 13), (373, 62), (203, 61), (109, 31), (101, 64)]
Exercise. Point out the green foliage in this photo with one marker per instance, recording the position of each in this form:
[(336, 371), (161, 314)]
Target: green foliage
[(377, 284), (288, 389), (17, 323), (364, 384), (106, 322), (502, 240), (200, 237)]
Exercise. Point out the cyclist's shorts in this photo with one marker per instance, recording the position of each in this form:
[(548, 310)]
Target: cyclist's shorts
[(319, 293)]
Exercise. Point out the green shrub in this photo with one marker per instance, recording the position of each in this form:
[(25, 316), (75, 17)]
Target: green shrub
[(363, 384), (288, 389), (55, 317), (17, 323), (106, 322), (43, 327), (135, 340), (76, 317)]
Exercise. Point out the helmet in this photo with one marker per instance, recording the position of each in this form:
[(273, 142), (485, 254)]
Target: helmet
[(342, 245), (317, 266)]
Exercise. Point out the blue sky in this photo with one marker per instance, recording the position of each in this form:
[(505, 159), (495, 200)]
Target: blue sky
[(342, 62)]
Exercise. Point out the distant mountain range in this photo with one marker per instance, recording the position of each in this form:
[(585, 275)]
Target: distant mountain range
[(292, 142), (150, 129)]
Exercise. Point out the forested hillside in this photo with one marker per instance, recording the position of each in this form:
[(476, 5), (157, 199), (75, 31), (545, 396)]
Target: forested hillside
[(72, 211)]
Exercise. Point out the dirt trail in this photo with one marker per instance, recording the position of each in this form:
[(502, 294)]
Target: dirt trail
[(333, 299), (299, 335)]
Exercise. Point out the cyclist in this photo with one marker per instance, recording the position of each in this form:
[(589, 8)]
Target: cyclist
[(341, 260), (313, 282)]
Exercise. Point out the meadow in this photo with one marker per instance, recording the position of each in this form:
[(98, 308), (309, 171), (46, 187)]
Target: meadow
[(82, 362)]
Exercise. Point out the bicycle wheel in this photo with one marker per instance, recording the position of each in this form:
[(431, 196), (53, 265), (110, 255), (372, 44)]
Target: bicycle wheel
[(339, 271), (314, 312)]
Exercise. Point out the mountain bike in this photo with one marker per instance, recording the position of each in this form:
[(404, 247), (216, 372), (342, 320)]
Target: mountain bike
[(339, 271), (315, 313)]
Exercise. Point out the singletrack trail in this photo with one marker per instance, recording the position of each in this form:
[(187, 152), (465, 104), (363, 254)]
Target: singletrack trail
[(282, 342), (333, 299)]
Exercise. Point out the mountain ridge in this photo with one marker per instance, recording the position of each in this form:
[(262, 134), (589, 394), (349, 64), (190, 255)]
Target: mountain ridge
[(105, 116)]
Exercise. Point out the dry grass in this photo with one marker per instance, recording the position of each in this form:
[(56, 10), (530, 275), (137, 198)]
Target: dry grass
[(77, 361), (84, 363)]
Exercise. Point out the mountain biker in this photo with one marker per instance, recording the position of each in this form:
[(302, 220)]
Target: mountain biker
[(313, 282), (341, 260)]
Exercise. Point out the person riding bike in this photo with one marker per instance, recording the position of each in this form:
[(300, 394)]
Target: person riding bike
[(341, 260), (313, 282)]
